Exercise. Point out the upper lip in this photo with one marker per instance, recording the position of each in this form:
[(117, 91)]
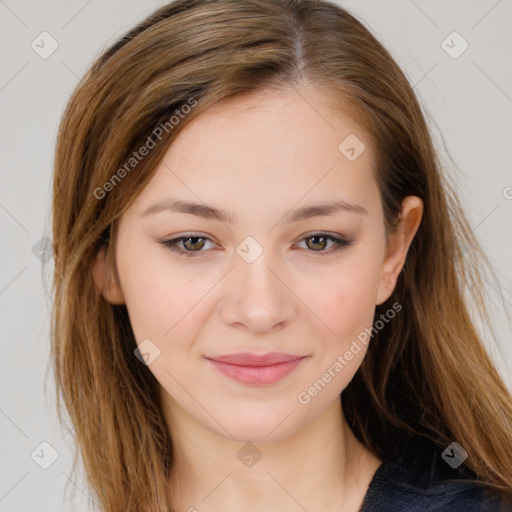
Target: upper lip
[(248, 359)]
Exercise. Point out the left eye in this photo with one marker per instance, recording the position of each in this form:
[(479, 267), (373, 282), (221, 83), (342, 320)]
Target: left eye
[(195, 244), (321, 239)]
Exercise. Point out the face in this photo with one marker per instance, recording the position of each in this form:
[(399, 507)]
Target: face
[(270, 274)]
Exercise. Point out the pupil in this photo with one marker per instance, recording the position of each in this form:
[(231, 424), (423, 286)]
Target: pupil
[(315, 238), (194, 238)]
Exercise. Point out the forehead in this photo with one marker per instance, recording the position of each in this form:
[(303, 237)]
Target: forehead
[(270, 146), (269, 121)]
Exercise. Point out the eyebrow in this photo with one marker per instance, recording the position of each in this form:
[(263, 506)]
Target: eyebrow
[(207, 212)]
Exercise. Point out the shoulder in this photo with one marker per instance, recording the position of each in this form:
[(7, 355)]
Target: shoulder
[(421, 481)]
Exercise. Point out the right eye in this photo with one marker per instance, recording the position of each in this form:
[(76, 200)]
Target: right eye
[(191, 244)]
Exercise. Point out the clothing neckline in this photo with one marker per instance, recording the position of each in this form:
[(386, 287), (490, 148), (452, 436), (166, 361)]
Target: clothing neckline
[(418, 477), (372, 485)]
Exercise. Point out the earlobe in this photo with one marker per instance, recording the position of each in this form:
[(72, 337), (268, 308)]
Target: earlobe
[(104, 281), (399, 243)]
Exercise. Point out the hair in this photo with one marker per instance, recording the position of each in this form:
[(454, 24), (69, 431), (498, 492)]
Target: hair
[(426, 374)]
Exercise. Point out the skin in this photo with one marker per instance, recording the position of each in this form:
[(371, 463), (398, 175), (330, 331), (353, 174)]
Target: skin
[(260, 157)]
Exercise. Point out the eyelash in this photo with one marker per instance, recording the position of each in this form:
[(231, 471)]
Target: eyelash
[(339, 243)]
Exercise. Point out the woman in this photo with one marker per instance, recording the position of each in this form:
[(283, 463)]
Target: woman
[(259, 281)]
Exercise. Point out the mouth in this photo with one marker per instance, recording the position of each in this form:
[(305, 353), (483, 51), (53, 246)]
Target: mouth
[(256, 369)]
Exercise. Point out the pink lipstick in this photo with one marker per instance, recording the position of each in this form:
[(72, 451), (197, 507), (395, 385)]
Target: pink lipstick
[(256, 369)]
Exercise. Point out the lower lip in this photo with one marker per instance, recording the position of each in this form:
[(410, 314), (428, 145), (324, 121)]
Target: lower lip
[(256, 374)]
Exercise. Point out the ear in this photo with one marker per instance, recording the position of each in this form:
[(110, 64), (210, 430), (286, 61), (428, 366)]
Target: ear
[(104, 281), (399, 243)]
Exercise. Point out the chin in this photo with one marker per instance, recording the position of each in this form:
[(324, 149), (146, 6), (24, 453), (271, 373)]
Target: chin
[(265, 428)]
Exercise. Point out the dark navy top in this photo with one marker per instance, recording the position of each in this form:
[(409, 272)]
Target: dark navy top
[(422, 481)]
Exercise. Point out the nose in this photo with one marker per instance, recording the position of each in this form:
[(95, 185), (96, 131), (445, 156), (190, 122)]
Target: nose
[(257, 297)]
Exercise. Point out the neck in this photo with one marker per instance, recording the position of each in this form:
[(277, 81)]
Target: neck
[(321, 467)]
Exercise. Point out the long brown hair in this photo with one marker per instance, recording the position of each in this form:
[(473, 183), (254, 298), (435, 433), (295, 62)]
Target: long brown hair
[(425, 374)]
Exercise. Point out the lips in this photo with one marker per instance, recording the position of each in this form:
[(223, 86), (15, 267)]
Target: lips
[(256, 369), (248, 359)]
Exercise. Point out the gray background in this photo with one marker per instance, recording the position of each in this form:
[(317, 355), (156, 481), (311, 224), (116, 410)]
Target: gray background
[(469, 101)]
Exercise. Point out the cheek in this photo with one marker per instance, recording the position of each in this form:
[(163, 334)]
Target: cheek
[(160, 301), (348, 308), (347, 304)]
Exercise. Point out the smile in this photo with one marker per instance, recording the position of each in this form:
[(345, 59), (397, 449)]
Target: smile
[(257, 373)]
